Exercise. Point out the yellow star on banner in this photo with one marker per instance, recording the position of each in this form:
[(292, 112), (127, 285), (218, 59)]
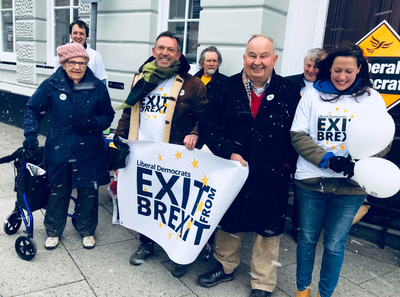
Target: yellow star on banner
[(327, 142), (200, 205), (155, 89), (177, 235), (352, 117), (165, 104), (160, 225), (342, 147), (150, 207), (169, 235), (159, 158), (323, 127), (337, 108), (330, 112), (155, 116), (189, 225), (302, 94), (333, 147), (162, 112), (194, 163), (148, 116), (161, 89), (145, 189), (165, 95), (178, 155), (205, 180), (345, 110)]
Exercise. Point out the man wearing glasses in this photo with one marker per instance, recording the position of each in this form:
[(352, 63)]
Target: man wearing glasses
[(79, 32)]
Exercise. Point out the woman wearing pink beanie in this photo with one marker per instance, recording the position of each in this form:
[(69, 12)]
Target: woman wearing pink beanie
[(74, 155)]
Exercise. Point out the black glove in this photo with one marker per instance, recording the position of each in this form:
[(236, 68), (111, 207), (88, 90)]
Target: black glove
[(349, 170), (123, 151), (338, 164), (85, 126), (30, 143)]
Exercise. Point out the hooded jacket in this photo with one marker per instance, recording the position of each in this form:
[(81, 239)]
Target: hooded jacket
[(86, 153)]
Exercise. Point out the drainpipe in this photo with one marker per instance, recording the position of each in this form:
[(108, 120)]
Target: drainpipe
[(93, 25)]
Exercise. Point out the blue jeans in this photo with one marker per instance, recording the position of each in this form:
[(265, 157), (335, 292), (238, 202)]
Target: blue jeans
[(334, 214)]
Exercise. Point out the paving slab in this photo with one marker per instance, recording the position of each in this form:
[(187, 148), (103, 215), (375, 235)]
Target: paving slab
[(108, 273), (358, 268), (47, 270), (71, 270), (80, 288), (385, 285)]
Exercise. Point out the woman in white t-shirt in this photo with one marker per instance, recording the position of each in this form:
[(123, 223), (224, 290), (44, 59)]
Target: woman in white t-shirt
[(328, 198)]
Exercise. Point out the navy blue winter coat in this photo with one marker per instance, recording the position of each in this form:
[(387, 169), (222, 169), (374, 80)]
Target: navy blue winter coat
[(86, 153)]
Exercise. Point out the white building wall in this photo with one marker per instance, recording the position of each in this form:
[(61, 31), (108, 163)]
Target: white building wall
[(30, 48), (126, 31), (228, 24), (305, 30)]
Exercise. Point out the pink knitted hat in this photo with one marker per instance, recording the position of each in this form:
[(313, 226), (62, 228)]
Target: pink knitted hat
[(71, 50)]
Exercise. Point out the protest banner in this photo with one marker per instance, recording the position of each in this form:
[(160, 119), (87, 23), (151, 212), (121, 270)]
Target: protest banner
[(381, 46), (175, 196)]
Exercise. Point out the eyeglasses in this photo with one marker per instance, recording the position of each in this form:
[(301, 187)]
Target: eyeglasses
[(74, 63)]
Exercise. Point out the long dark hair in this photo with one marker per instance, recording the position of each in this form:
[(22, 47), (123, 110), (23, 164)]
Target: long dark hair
[(347, 50)]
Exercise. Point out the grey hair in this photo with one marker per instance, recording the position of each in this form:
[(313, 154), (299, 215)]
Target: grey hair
[(261, 35), (210, 49), (316, 54)]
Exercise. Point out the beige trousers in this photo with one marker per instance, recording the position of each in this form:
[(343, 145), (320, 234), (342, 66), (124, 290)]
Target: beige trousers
[(265, 252)]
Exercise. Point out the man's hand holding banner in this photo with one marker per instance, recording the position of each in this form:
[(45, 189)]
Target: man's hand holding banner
[(175, 196)]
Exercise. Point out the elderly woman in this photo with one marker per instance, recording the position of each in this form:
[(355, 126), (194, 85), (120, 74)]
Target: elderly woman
[(74, 155)]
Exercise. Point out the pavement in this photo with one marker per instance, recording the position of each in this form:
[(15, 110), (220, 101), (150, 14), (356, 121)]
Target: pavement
[(71, 270)]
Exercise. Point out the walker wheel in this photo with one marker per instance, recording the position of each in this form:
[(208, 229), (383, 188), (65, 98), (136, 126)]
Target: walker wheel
[(73, 216), (25, 248), (12, 223), (73, 221)]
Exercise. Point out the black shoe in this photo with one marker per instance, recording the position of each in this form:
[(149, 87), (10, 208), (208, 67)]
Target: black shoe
[(295, 233), (259, 293), (178, 270), (143, 252), (214, 277)]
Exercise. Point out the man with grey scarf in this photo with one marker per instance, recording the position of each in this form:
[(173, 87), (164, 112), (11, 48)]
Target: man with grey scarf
[(165, 104)]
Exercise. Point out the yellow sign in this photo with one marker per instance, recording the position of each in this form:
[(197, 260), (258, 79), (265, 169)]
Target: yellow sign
[(381, 46)]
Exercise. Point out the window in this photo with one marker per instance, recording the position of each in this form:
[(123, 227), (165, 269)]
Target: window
[(182, 17), (65, 12), (60, 14), (7, 27)]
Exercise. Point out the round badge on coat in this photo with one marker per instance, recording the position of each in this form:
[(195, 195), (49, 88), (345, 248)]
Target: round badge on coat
[(63, 96), (270, 97), (182, 93)]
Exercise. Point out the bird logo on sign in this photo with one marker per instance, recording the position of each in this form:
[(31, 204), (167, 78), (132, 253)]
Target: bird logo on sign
[(376, 44)]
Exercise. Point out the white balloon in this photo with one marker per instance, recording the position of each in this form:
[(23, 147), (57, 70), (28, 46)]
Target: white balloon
[(377, 177), (368, 133)]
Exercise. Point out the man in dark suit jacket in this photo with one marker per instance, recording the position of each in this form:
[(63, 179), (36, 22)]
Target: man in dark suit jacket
[(248, 119)]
